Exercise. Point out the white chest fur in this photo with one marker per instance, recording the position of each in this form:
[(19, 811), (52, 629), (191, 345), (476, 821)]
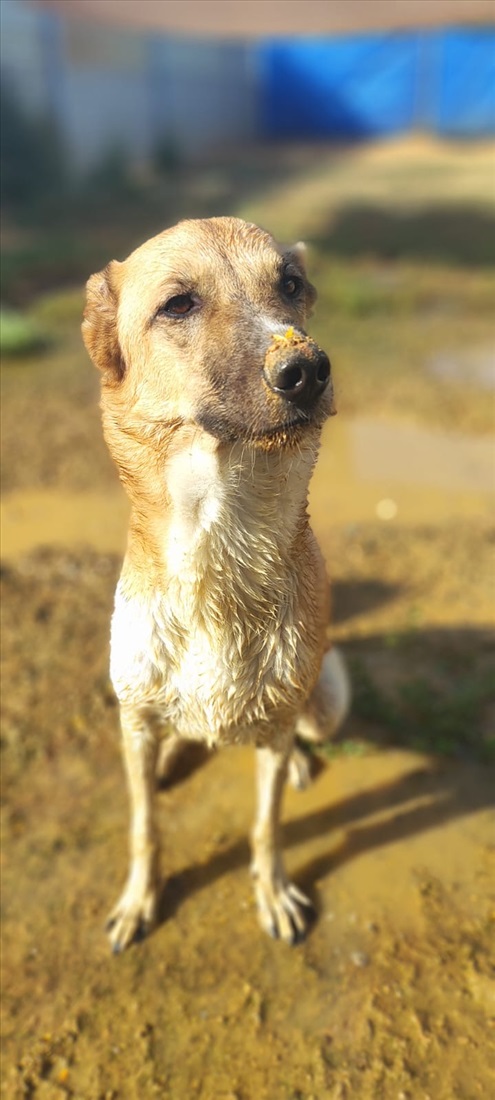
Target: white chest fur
[(220, 646)]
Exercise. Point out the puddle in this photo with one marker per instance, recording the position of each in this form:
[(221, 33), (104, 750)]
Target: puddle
[(42, 517), (373, 468), (406, 455), (367, 468), (471, 368)]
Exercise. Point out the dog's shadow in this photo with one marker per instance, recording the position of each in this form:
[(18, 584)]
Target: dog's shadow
[(352, 598), (441, 792), (423, 799)]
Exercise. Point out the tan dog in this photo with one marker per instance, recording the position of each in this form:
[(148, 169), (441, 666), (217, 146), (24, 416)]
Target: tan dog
[(213, 398)]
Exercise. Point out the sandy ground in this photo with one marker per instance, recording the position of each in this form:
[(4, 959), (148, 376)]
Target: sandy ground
[(391, 995)]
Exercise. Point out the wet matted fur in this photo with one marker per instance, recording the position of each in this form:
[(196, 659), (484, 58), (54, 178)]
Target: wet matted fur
[(213, 400)]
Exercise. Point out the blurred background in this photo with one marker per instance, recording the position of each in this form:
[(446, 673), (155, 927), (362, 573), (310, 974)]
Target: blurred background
[(367, 130), (118, 118)]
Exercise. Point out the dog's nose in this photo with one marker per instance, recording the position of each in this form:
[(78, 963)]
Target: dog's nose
[(299, 378)]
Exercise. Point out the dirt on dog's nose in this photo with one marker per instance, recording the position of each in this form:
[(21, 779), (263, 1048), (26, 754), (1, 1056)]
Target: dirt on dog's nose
[(300, 379), (296, 369)]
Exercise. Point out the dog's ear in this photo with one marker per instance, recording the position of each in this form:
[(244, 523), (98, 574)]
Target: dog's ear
[(99, 327), (299, 251)]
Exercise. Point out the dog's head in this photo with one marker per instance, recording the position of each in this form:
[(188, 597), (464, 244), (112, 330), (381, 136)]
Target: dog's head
[(205, 325)]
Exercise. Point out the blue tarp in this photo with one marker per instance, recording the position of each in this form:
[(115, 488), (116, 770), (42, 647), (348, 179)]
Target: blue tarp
[(361, 85), (466, 83)]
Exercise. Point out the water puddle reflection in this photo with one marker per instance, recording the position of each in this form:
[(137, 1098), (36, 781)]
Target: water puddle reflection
[(368, 468)]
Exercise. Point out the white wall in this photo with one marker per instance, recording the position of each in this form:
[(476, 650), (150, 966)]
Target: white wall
[(111, 88)]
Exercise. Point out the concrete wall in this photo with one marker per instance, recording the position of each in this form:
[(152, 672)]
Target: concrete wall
[(113, 87), (110, 88)]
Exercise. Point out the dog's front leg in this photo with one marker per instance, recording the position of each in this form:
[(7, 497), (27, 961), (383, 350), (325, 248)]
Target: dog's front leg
[(135, 912), (283, 909)]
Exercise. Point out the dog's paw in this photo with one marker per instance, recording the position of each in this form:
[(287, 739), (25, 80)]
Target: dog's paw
[(300, 773), (132, 919), (284, 912)]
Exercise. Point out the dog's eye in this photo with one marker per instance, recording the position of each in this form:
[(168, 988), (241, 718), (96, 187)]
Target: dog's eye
[(178, 306), (291, 285)]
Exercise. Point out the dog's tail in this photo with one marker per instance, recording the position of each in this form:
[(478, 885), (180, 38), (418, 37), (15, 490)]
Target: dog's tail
[(329, 701)]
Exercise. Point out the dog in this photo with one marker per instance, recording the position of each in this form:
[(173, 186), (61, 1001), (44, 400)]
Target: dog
[(213, 401)]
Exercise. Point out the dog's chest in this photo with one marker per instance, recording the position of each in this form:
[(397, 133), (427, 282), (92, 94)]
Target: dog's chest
[(219, 649)]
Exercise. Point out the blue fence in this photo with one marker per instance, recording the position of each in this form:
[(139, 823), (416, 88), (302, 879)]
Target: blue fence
[(363, 85), (107, 87)]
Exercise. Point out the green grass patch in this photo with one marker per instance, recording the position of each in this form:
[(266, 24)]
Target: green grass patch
[(449, 720), (362, 288), (61, 310), (347, 747), (50, 261), (460, 234), (20, 335)]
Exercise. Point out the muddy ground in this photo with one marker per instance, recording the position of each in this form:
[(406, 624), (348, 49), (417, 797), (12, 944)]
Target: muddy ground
[(392, 996)]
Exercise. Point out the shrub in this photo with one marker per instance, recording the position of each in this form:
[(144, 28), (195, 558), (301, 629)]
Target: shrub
[(19, 335)]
